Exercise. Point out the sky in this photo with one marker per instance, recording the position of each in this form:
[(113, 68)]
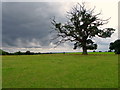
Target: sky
[(27, 25)]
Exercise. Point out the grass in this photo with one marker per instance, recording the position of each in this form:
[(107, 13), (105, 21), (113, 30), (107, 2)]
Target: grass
[(60, 71)]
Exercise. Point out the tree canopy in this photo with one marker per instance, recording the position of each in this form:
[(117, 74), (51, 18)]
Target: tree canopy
[(115, 46), (81, 27)]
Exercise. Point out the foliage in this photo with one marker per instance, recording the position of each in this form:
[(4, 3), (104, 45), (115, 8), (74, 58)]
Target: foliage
[(2, 52), (81, 27), (115, 46)]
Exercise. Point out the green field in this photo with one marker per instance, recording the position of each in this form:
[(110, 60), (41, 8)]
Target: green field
[(60, 71)]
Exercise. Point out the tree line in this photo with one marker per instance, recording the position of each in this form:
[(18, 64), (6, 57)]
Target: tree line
[(113, 47), (2, 52)]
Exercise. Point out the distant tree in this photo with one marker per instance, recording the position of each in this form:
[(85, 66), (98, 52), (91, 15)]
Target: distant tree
[(0, 52), (115, 46), (3, 52), (28, 53), (109, 50), (94, 51), (81, 27), (18, 53)]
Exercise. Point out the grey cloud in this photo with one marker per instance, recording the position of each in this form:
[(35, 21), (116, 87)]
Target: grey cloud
[(27, 21), (27, 24)]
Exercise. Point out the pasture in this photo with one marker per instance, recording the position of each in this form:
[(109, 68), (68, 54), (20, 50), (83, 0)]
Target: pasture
[(60, 71)]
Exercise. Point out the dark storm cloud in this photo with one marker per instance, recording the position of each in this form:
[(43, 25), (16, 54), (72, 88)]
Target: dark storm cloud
[(27, 24)]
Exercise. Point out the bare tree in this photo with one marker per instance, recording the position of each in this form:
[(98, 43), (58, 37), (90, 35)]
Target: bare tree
[(81, 27)]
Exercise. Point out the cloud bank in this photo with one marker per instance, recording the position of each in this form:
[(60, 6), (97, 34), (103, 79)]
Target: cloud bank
[(28, 25)]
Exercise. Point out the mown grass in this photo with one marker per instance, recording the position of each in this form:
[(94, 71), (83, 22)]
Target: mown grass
[(60, 71)]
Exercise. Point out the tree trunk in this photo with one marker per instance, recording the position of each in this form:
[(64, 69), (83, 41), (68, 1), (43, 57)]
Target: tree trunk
[(84, 50)]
